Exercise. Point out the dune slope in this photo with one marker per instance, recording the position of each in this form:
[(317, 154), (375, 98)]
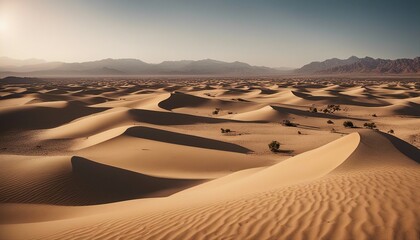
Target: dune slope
[(332, 201)]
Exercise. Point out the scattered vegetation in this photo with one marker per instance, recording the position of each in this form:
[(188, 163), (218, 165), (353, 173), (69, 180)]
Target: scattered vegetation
[(288, 123), (274, 146), (330, 122), (331, 108), (313, 109), (239, 99), (348, 124), (227, 130), (369, 125)]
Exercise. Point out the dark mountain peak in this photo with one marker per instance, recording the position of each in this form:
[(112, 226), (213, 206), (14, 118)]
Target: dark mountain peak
[(379, 66), (314, 67), (367, 64)]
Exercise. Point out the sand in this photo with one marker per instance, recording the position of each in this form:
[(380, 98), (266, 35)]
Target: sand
[(146, 159)]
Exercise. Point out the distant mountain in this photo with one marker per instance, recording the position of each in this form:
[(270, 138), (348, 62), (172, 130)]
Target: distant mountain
[(366, 65), (138, 67), (11, 62), (382, 66), (315, 67)]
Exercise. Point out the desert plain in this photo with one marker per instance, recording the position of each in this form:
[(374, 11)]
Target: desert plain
[(188, 158)]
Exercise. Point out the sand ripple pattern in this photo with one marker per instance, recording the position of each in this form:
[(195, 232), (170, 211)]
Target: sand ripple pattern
[(369, 204)]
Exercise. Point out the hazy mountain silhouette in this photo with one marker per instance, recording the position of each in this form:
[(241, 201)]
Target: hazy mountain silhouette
[(138, 67)]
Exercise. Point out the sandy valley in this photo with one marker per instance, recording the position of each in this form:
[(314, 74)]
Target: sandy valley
[(152, 158)]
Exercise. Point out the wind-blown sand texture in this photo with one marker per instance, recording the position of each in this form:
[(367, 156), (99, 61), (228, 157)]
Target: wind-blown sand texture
[(146, 159)]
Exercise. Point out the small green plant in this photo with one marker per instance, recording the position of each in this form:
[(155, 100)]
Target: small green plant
[(274, 146), (370, 125), (348, 124)]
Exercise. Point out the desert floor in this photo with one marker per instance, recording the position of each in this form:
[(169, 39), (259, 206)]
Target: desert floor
[(146, 159)]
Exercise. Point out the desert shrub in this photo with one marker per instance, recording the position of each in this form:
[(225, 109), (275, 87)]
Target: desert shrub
[(230, 112), (334, 107), (348, 124), (299, 133), (289, 123), (330, 122), (274, 146), (331, 108), (369, 125), (391, 131), (374, 115), (227, 130), (216, 111), (313, 109)]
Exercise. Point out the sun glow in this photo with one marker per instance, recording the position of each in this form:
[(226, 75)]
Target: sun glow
[(3, 26)]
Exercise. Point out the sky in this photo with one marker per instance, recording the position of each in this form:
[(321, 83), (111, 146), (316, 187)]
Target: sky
[(282, 33)]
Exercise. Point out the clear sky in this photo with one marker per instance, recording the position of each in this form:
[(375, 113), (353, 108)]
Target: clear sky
[(271, 33)]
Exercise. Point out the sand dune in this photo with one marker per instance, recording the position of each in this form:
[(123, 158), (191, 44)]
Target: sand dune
[(278, 113), (77, 181), (92, 124), (199, 105), (169, 154), (170, 118), (301, 198), (146, 159), (34, 116), (146, 101)]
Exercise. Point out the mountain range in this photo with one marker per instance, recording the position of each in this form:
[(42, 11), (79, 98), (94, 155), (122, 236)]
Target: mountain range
[(366, 65), (124, 67), (134, 67)]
